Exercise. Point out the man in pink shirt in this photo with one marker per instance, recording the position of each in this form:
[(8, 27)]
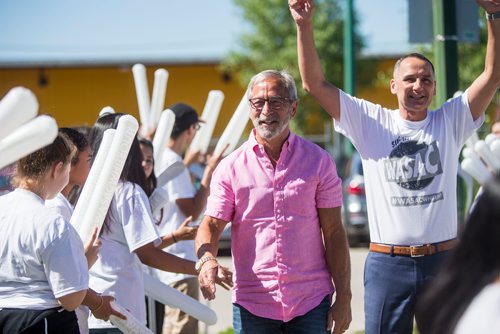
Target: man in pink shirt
[(283, 197)]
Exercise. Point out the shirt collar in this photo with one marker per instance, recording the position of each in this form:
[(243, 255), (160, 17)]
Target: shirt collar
[(288, 144)]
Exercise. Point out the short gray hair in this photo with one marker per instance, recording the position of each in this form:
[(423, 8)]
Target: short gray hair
[(283, 76)]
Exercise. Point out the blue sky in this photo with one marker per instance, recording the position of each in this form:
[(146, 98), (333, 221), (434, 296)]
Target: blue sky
[(134, 30)]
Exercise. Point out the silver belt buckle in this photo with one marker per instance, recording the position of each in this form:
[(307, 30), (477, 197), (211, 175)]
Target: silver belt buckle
[(413, 251)]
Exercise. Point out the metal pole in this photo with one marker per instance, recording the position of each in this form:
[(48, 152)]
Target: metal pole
[(445, 48)]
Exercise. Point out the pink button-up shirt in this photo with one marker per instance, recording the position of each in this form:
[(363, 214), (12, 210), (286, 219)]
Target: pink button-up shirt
[(280, 270)]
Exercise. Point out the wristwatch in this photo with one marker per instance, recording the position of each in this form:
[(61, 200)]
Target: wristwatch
[(493, 16), (202, 261)]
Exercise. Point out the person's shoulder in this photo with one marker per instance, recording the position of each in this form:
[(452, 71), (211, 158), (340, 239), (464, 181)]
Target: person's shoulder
[(311, 147), (237, 154)]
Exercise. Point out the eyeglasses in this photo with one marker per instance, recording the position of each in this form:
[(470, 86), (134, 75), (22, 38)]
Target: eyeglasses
[(196, 126), (274, 103)]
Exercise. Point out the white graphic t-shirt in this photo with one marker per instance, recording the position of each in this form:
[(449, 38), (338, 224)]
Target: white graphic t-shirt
[(410, 168)]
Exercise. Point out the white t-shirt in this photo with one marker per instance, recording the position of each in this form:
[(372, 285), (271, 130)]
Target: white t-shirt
[(61, 205), (410, 168), (41, 254), (483, 314), (118, 270), (179, 187)]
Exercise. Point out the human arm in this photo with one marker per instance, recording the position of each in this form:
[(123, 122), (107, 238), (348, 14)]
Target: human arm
[(337, 258), (194, 205), (206, 246), (184, 232), (485, 86), (72, 300), (311, 73), (100, 305), (154, 257)]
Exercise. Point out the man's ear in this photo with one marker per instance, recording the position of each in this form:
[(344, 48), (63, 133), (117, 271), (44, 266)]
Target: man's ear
[(392, 84), (294, 106)]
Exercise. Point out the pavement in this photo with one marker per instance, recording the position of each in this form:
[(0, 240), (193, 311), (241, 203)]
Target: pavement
[(223, 308)]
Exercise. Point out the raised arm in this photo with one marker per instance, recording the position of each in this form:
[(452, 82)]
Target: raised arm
[(484, 87), (311, 73)]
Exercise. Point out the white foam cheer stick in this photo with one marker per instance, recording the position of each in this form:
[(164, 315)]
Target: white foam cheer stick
[(234, 128), (142, 92), (157, 200), (158, 97), (129, 326), (163, 293), (490, 138), (201, 140), (106, 111), (485, 153), (468, 152), (87, 193), (476, 169), (495, 147), (28, 138), (17, 107), (108, 179), (172, 171), (163, 132)]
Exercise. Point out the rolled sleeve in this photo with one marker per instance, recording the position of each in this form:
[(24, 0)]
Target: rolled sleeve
[(220, 203), (329, 191)]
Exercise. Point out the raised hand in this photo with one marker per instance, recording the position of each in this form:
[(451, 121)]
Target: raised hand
[(301, 10)]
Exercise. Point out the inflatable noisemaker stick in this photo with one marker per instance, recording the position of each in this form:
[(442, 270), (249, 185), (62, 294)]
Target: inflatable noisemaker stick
[(165, 126), (28, 138), (201, 140), (468, 152), (106, 111), (95, 212), (17, 107), (490, 138), (495, 147), (235, 127), (172, 171), (163, 293), (129, 326), (90, 184), (158, 97), (483, 150), (476, 169), (142, 92)]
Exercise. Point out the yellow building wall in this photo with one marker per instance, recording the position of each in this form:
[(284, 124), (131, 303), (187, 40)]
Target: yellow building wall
[(74, 96)]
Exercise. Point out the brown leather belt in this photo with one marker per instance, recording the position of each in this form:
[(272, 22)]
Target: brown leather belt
[(414, 251)]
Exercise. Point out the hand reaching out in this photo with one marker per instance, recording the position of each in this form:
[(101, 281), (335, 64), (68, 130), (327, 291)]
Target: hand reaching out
[(213, 273), (186, 232)]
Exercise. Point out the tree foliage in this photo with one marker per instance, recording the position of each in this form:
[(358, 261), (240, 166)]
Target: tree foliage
[(271, 43)]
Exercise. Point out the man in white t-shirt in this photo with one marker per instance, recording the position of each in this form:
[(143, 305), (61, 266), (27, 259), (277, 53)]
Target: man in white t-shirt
[(185, 201), (410, 160)]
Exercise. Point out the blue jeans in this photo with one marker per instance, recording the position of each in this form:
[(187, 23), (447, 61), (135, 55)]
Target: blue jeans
[(313, 321), (392, 287)]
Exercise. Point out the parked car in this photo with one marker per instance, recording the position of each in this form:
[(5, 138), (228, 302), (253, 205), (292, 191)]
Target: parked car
[(354, 214)]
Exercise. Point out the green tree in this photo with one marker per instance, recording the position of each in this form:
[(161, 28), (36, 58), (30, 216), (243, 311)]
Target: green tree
[(270, 43)]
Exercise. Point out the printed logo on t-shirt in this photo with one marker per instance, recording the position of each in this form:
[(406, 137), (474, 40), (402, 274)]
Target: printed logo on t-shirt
[(413, 166)]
